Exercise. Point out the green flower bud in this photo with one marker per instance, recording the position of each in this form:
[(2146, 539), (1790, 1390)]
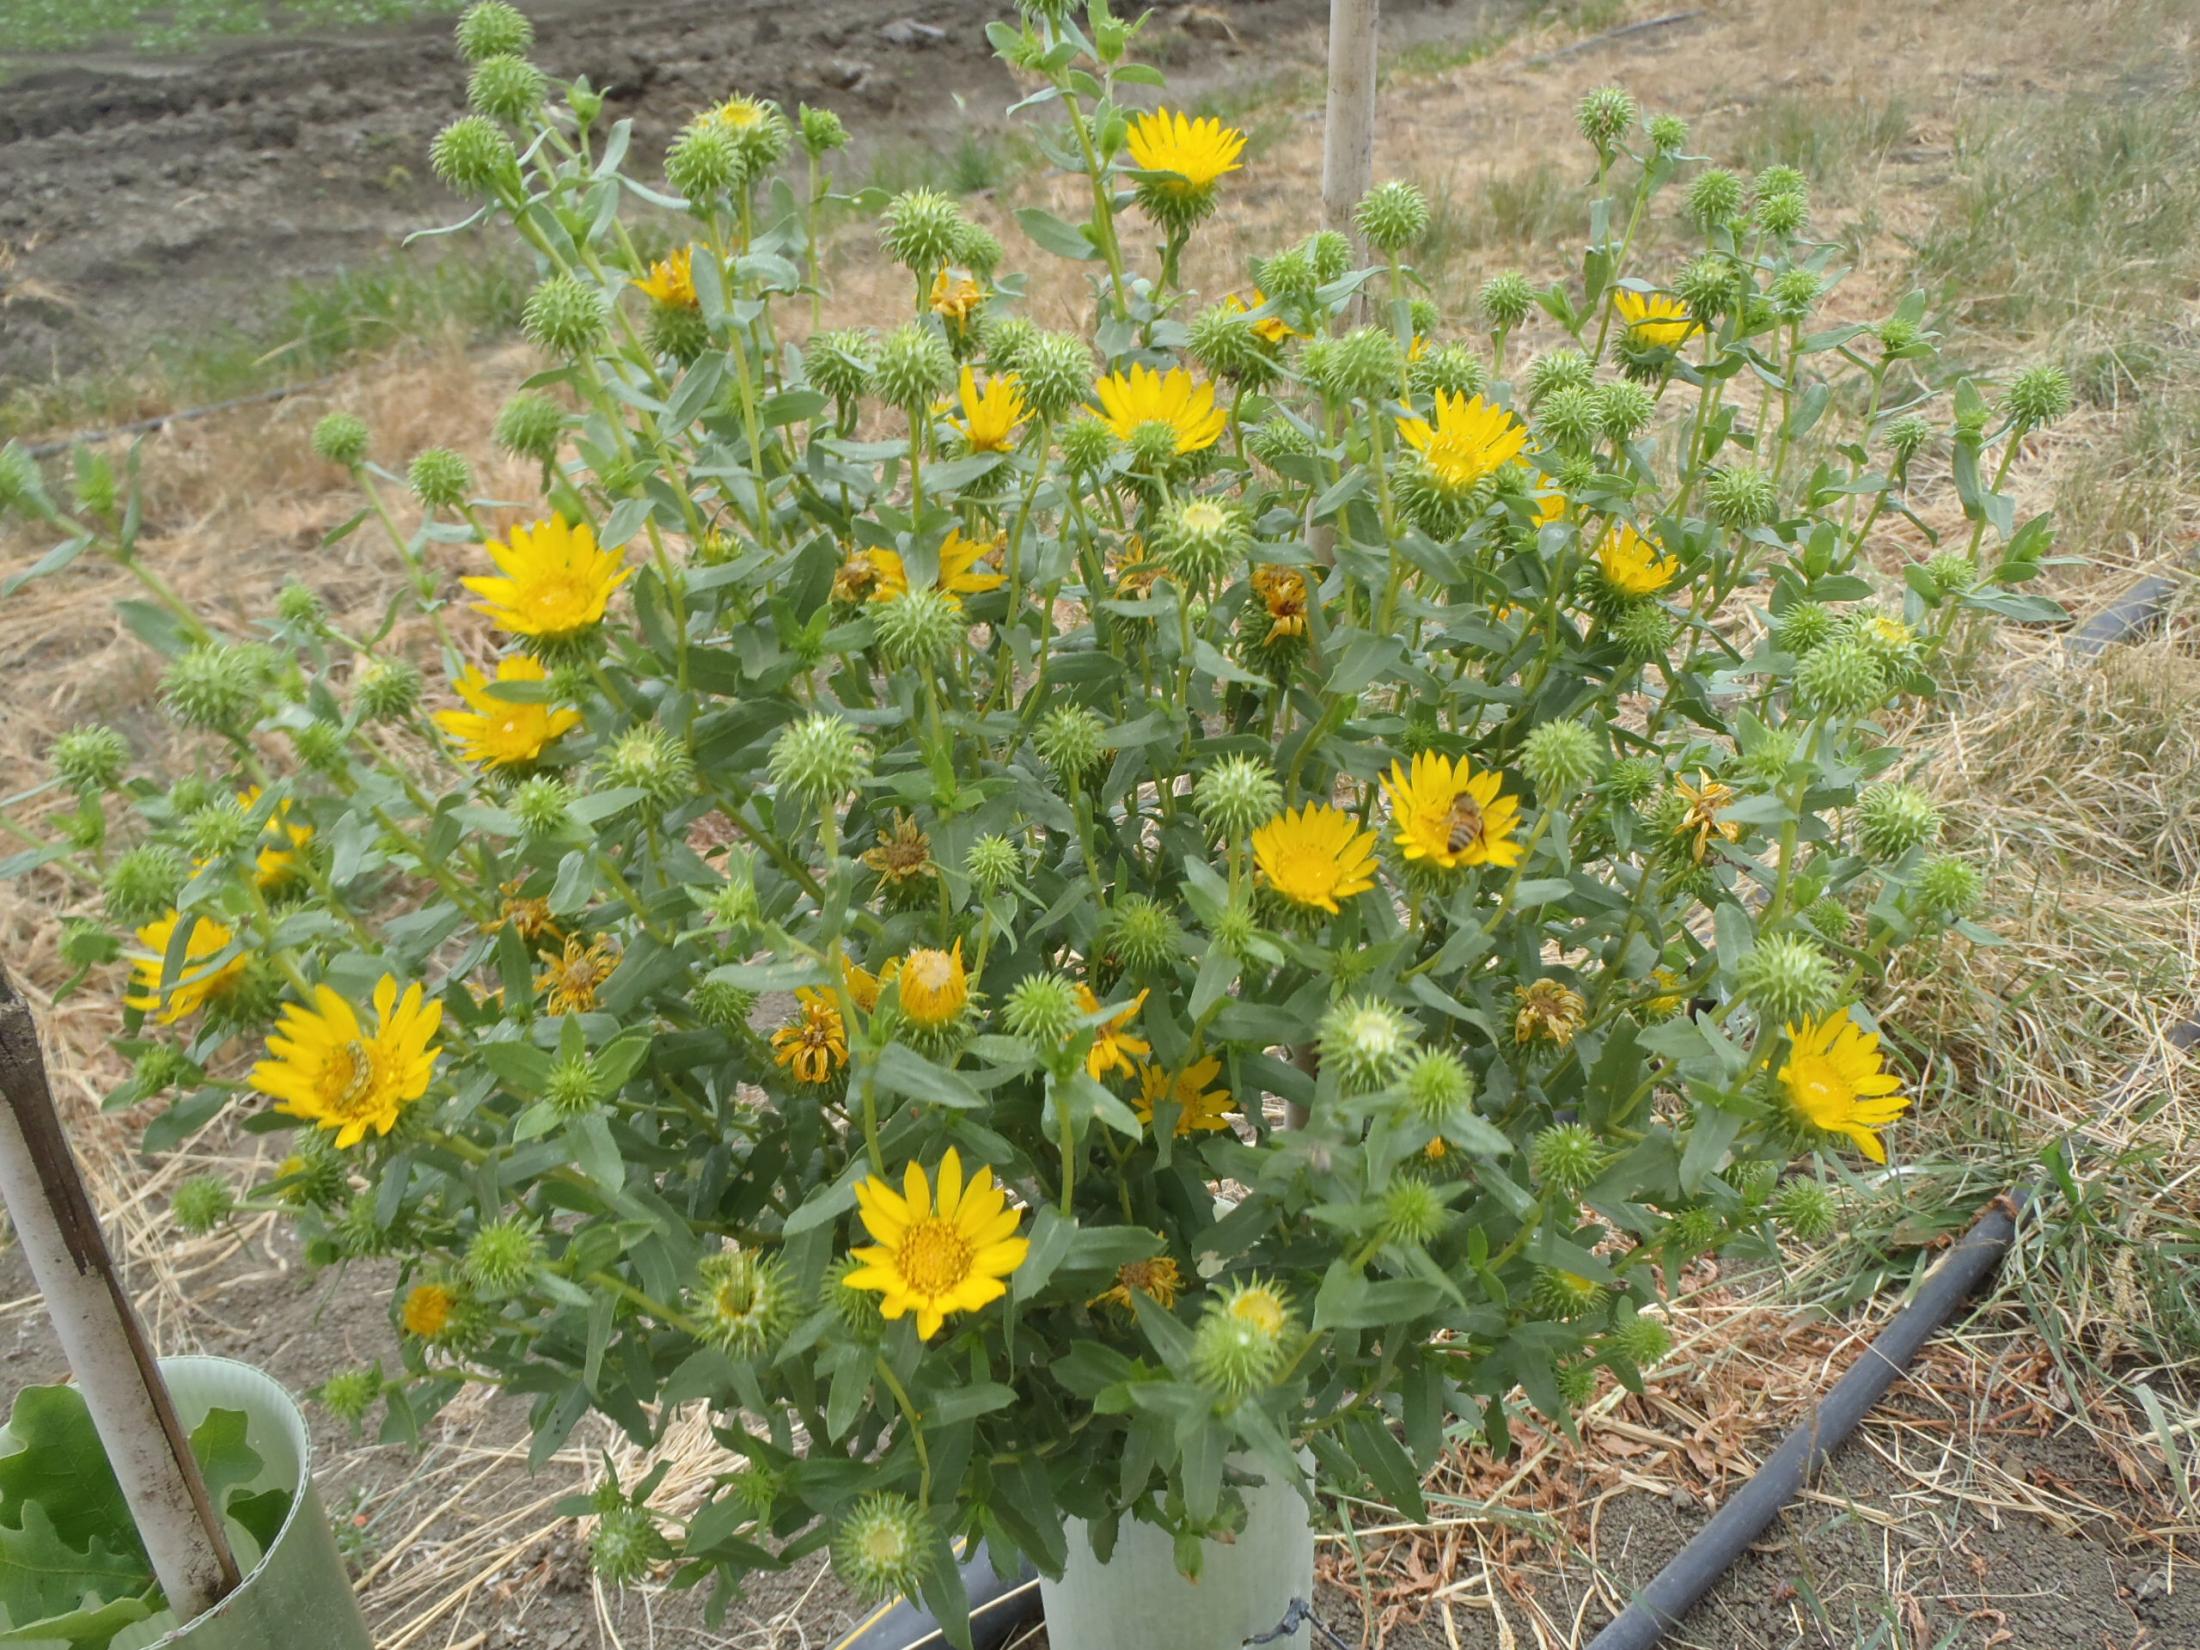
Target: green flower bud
[(1238, 1347), (389, 690), (993, 862), (490, 28), (1203, 540), (1898, 333), (1275, 438), (1505, 300), (918, 629), (1392, 216), (1006, 340), (1577, 1383), (857, 1309), (1236, 929), (1829, 919), (1237, 794), (1754, 1182), (841, 363), (1842, 677), (1786, 978), (1224, 343), (1087, 446), (723, 1006), (1331, 255), (1072, 740), (652, 761), (530, 426), (1564, 1295), (1893, 818), (350, 1393), (978, 249), (1805, 1210), (1950, 574), (1143, 933), (1055, 373), (760, 133), (2040, 395), (1741, 496), (1644, 630), (1949, 887), (705, 161), (574, 1086), (341, 439), (564, 315), (1623, 411), (1413, 1211), (677, 332), (821, 130), (1438, 1086), (919, 229), (299, 605), (1690, 1232), (1566, 1157), (1768, 761), (1643, 1341), (881, 1549), (506, 88), (1794, 291), (1290, 276), (503, 1255), (160, 1068), (1559, 369), (1366, 1042), (1043, 1009), (1604, 117), (1668, 134), (202, 1203), (1782, 179), (20, 482), (743, 1301), (90, 759), (1567, 418), (472, 156), (1714, 198), (1560, 757), (1452, 369), (217, 830), (542, 805), (1782, 216), (1803, 627), (1363, 366), (1708, 285), (143, 883), (1422, 316), (625, 1543), (913, 368), (1634, 779), (1908, 436), (1152, 448), (819, 759), (439, 479), (322, 747)]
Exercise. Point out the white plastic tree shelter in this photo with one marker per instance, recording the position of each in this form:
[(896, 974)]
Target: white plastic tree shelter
[(99, 1332)]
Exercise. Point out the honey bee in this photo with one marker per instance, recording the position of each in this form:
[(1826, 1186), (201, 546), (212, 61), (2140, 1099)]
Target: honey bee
[(1466, 823), (361, 1077)]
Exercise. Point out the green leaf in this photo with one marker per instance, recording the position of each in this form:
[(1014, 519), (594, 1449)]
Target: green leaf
[(46, 1580), (1064, 240), (62, 1467), (902, 1070)]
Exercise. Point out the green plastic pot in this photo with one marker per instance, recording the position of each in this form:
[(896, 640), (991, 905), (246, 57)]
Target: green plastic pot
[(1138, 1600)]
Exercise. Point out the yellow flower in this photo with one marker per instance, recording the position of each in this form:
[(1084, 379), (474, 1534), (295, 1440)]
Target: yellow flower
[(427, 1311), (1670, 997), (936, 1255), (527, 915), (1269, 329), (1653, 318), (955, 298), (1159, 1279), (325, 1066), (197, 983), (934, 986), (1197, 151), (577, 973), (740, 113), (1633, 565), (277, 862), (1836, 1080), (1174, 398), (1198, 1107), (863, 985), (1282, 591), (1316, 856), (902, 856), (1261, 1305), (814, 1044), (671, 281), (990, 415), (1701, 820), (856, 579), (1112, 1043), (960, 575), (1550, 1012), (1451, 816), (504, 733), (554, 582), (1469, 440)]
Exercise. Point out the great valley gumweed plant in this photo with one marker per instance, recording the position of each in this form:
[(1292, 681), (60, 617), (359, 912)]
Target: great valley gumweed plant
[(1045, 919)]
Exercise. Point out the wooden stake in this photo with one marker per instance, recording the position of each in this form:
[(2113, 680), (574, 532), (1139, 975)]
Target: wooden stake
[(1348, 132), (99, 1332)]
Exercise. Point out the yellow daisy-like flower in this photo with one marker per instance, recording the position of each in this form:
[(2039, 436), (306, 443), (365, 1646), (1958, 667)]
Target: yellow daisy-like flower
[(1655, 319), (282, 843), (325, 1066), (990, 415), (671, 281), (863, 985), (814, 1044), (528, 915), (1550, 1012), (427, 1311), (934, 986), (902, 856), (1701, 819), (1263, 1306), (740, 113), (1449, 815), (1112, 1044), (1469, 440), (1282, 590), (1837, 1081), (504, 733), (960, 574), (1197, 151), (574, 976), (1199, 1108), (199, 981), (554, 581), (1315, 857), (955, 298), (1632, 564), (1269, 329), (1159, 1279), (1174, 398), (936, 1255)]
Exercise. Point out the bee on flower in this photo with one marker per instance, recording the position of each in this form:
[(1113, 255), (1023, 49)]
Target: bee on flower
[(326, 1065), (1447, 816)]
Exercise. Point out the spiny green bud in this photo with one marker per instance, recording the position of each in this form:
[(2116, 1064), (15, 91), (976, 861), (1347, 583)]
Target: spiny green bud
[(1437, 1085), (1566, 1157), (1056, 373), (1238, 1348), (350, 1393), (1006, 339), (1908, 436), (1087, 446), (1392, 216), (993, 862), (881, 1549), (1893, 818), (733, 904), (341, 439), (202, 1203), (1557, 1293), (574, 1086), (1781, 179), (530, 426), (490, 28), (1794, 291), (1559, 369), (1623, 410), (90, 758), (841, 363), (1237, 928), (1950, 573), (1330, 252), (819, 759), (1143, 933), (1644, 629), (1560, 757), (505, 87), (439, 478), (321, 746), (1153, 447), (502, 1256), (160, 1068), (564, 315), (1782, 215), (1803, 627), (1754, 1181), (20, 481), (624, 1545), (1633, 779), (919, 229), (1366, 1042), (744, 1301), (978, 249), (1072, 740), (857, 1309), (389, 689), (1842, 677), (1505, 300), (1668, 134), (917, 630), (677, 331), (1413, 1211), (1786, 978), (143, 883), (1714, 198), (299, 605), (822, 131), (1452, 369), (759, 129), (1741, 496), (1898, 333), (1767, 762), (913, 367), (1276, 437), (1829, 919), (87, 943), (1422, 316), (723, 1006), (1949, 887), (705, 160), (1604, 116), (1042, 1009), (1691, 1232), (1224, 343), (1805, 1210), (2039, 396), (1363, 364), (1290, 275), (217, 830), (1577, 1383), (315, 1176), (472, 156), (1203, 540), (1643, 1341), (542, 805), (1567, 418)]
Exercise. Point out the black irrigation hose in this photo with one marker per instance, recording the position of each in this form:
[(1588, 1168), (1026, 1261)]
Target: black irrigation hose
[(998, 1608)]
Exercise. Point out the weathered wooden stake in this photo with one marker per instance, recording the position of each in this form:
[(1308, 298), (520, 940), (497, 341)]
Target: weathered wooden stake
[(100, 1334), (1348, 132)]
